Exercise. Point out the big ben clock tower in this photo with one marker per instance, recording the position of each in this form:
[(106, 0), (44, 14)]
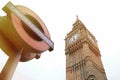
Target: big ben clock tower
[(83, 59)]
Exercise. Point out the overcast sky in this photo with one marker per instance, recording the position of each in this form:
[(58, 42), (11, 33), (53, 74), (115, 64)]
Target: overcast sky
[(101, 17)]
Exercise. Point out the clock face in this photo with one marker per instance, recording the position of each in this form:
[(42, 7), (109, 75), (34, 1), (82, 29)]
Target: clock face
[(90, 37), (74, 38)]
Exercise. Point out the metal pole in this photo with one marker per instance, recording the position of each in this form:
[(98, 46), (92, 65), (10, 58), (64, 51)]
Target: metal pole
[(11, 64), (10, 67)]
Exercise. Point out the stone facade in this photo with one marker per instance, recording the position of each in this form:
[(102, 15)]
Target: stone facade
[(83, 59)]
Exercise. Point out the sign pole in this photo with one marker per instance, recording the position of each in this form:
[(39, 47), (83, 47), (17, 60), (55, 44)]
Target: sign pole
[(10, 66)]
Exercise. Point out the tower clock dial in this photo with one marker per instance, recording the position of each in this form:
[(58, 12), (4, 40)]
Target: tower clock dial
[(90, 37), (74, 38)]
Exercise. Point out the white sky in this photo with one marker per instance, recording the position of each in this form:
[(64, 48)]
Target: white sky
[(101, 17)]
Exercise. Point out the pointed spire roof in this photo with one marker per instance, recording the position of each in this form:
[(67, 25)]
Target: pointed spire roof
[(77, 22)]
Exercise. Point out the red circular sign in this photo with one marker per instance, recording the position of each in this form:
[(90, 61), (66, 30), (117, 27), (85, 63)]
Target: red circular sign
[(35, 44)]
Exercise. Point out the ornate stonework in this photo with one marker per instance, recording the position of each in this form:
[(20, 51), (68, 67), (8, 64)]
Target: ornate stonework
[(83, 59)]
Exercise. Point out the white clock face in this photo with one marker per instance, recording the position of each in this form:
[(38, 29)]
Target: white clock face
[(90, 37), (74, 38)]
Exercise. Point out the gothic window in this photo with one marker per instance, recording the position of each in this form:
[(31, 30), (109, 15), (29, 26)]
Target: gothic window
[(91, 77)]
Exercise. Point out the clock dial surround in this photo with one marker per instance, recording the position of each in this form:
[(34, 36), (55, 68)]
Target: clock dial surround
[(74, 38)]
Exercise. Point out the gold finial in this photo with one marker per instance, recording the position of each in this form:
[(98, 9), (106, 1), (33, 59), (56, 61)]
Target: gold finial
[(77, 18)]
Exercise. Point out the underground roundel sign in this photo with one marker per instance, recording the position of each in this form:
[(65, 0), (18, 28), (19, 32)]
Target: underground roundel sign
[(19, 13), (25, 29)]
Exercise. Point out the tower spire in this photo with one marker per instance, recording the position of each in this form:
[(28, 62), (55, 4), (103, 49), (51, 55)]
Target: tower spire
[(77, 18)]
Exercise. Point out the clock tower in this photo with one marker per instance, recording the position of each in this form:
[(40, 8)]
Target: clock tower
[(83, 58)]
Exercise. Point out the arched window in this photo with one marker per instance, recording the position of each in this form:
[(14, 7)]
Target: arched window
[(91, 77)]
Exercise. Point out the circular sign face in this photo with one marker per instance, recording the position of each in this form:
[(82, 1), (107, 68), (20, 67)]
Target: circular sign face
[(26, 33), (24, 30)]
